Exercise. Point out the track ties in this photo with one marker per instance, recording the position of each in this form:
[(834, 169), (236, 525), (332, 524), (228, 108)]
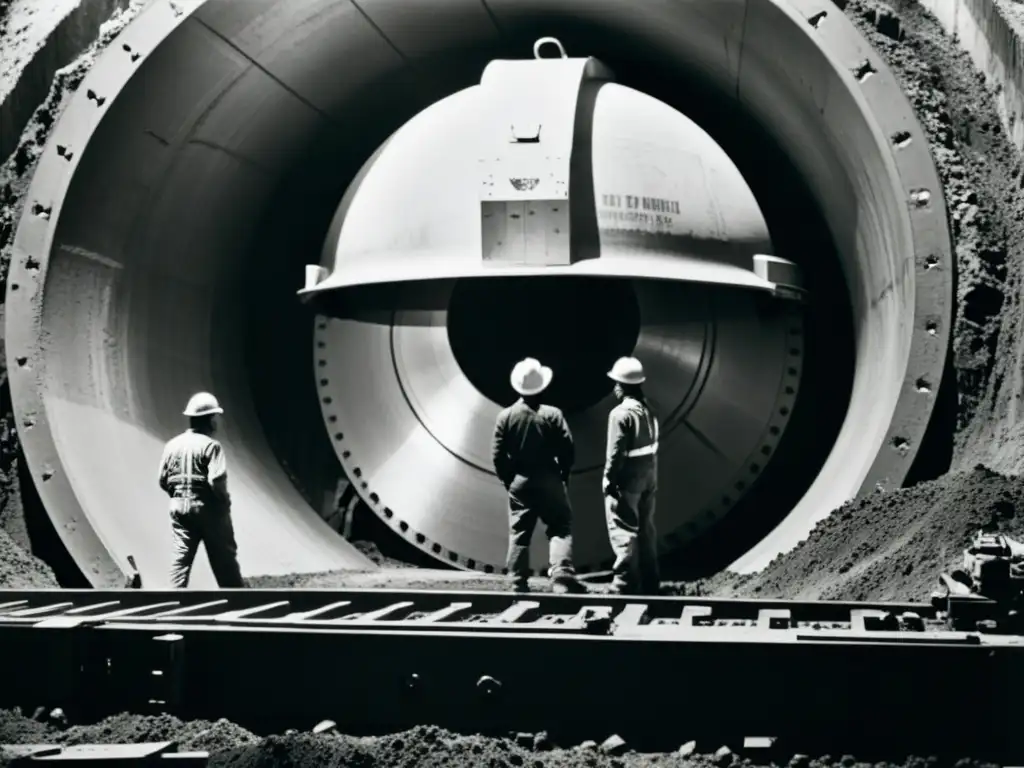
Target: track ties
[(317, 613), (443, 613), (249, 613), (89, 608), (372, 616), (515, 612), (29, 614), (185, 610)]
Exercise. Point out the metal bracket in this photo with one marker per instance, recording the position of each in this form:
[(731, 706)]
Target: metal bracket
[(525, 173)]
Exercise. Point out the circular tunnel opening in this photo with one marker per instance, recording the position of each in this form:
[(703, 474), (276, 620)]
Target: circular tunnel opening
[(593, 338), (204, 262), (576, 326)]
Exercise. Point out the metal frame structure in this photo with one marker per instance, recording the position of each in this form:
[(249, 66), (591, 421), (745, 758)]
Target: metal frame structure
[(658, 671)]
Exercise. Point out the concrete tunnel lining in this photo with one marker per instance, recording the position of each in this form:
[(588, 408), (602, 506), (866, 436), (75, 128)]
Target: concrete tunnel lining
[(123, 247)]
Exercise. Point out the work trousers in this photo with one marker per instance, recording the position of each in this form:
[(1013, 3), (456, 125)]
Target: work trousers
[(631, 531), (542, 498), (209, 525)]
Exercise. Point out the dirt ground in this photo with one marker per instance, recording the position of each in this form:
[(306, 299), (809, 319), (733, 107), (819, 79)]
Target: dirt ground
[(888, 546), (422, 747)]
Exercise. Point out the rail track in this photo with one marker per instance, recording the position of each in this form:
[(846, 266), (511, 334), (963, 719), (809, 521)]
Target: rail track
[(658, 671)]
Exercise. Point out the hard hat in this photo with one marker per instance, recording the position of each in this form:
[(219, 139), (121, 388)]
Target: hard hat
[(529, 377), (627, 370), (203, 404)]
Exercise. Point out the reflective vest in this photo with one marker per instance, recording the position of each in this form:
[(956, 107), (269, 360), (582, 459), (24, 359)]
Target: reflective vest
[(645, 429)]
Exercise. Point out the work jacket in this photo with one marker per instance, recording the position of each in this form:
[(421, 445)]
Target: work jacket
[(191, 467), (632, 443), (531, 443)]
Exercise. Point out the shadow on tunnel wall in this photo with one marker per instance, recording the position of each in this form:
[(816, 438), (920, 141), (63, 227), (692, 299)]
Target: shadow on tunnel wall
[(280, 349), (279, 328)]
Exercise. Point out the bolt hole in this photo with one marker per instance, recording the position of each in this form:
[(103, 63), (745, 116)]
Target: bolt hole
[(321, 345), (920, 197), (436, 549), (931, 262), (339, 436), (488, 569), (388, 513), (784, 411), (327, 401), (755, 468), (322, 363), (922, 385), (324, 382), (471, 564), (789, 390), (14, 286), (42, 211), (740, 485), (766, 450), (794, 352), (816, 19), (403, 526), (93, 96), (727, 501), (774, 430), (932, 328), (420, 538), (346, 454), (864, 71), (900, 444), (901, 139), (374, 498), (453, 557), (332, 419), (21, 361), (357, 472), (47, 474)]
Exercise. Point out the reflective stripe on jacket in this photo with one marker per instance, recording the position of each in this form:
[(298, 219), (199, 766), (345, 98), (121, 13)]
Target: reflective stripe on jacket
[(190, 465), (633, 433)]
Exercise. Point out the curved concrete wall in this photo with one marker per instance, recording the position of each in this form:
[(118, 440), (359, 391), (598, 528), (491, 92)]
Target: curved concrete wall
[(137, 258)]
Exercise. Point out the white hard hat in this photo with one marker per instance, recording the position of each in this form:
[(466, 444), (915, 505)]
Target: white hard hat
[(529, 377), (203, 404), (627, 370)]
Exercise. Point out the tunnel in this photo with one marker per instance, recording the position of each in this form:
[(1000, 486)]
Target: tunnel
[(199, 168)]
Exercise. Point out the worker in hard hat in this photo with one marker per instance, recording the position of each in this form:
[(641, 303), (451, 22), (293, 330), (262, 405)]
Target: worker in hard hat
[(193, 473), (630, 482), (533, 455)]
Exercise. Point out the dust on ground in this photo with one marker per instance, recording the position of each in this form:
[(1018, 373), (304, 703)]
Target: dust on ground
[(888, 546), (231, 746)]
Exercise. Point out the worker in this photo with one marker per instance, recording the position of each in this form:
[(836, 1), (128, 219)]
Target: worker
[(630, 482), (533, 455), (193, 473)]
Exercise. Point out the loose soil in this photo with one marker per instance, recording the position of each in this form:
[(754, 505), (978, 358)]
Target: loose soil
[(231, 746)]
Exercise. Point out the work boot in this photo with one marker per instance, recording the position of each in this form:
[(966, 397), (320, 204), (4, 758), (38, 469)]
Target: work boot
[(563, 583)]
